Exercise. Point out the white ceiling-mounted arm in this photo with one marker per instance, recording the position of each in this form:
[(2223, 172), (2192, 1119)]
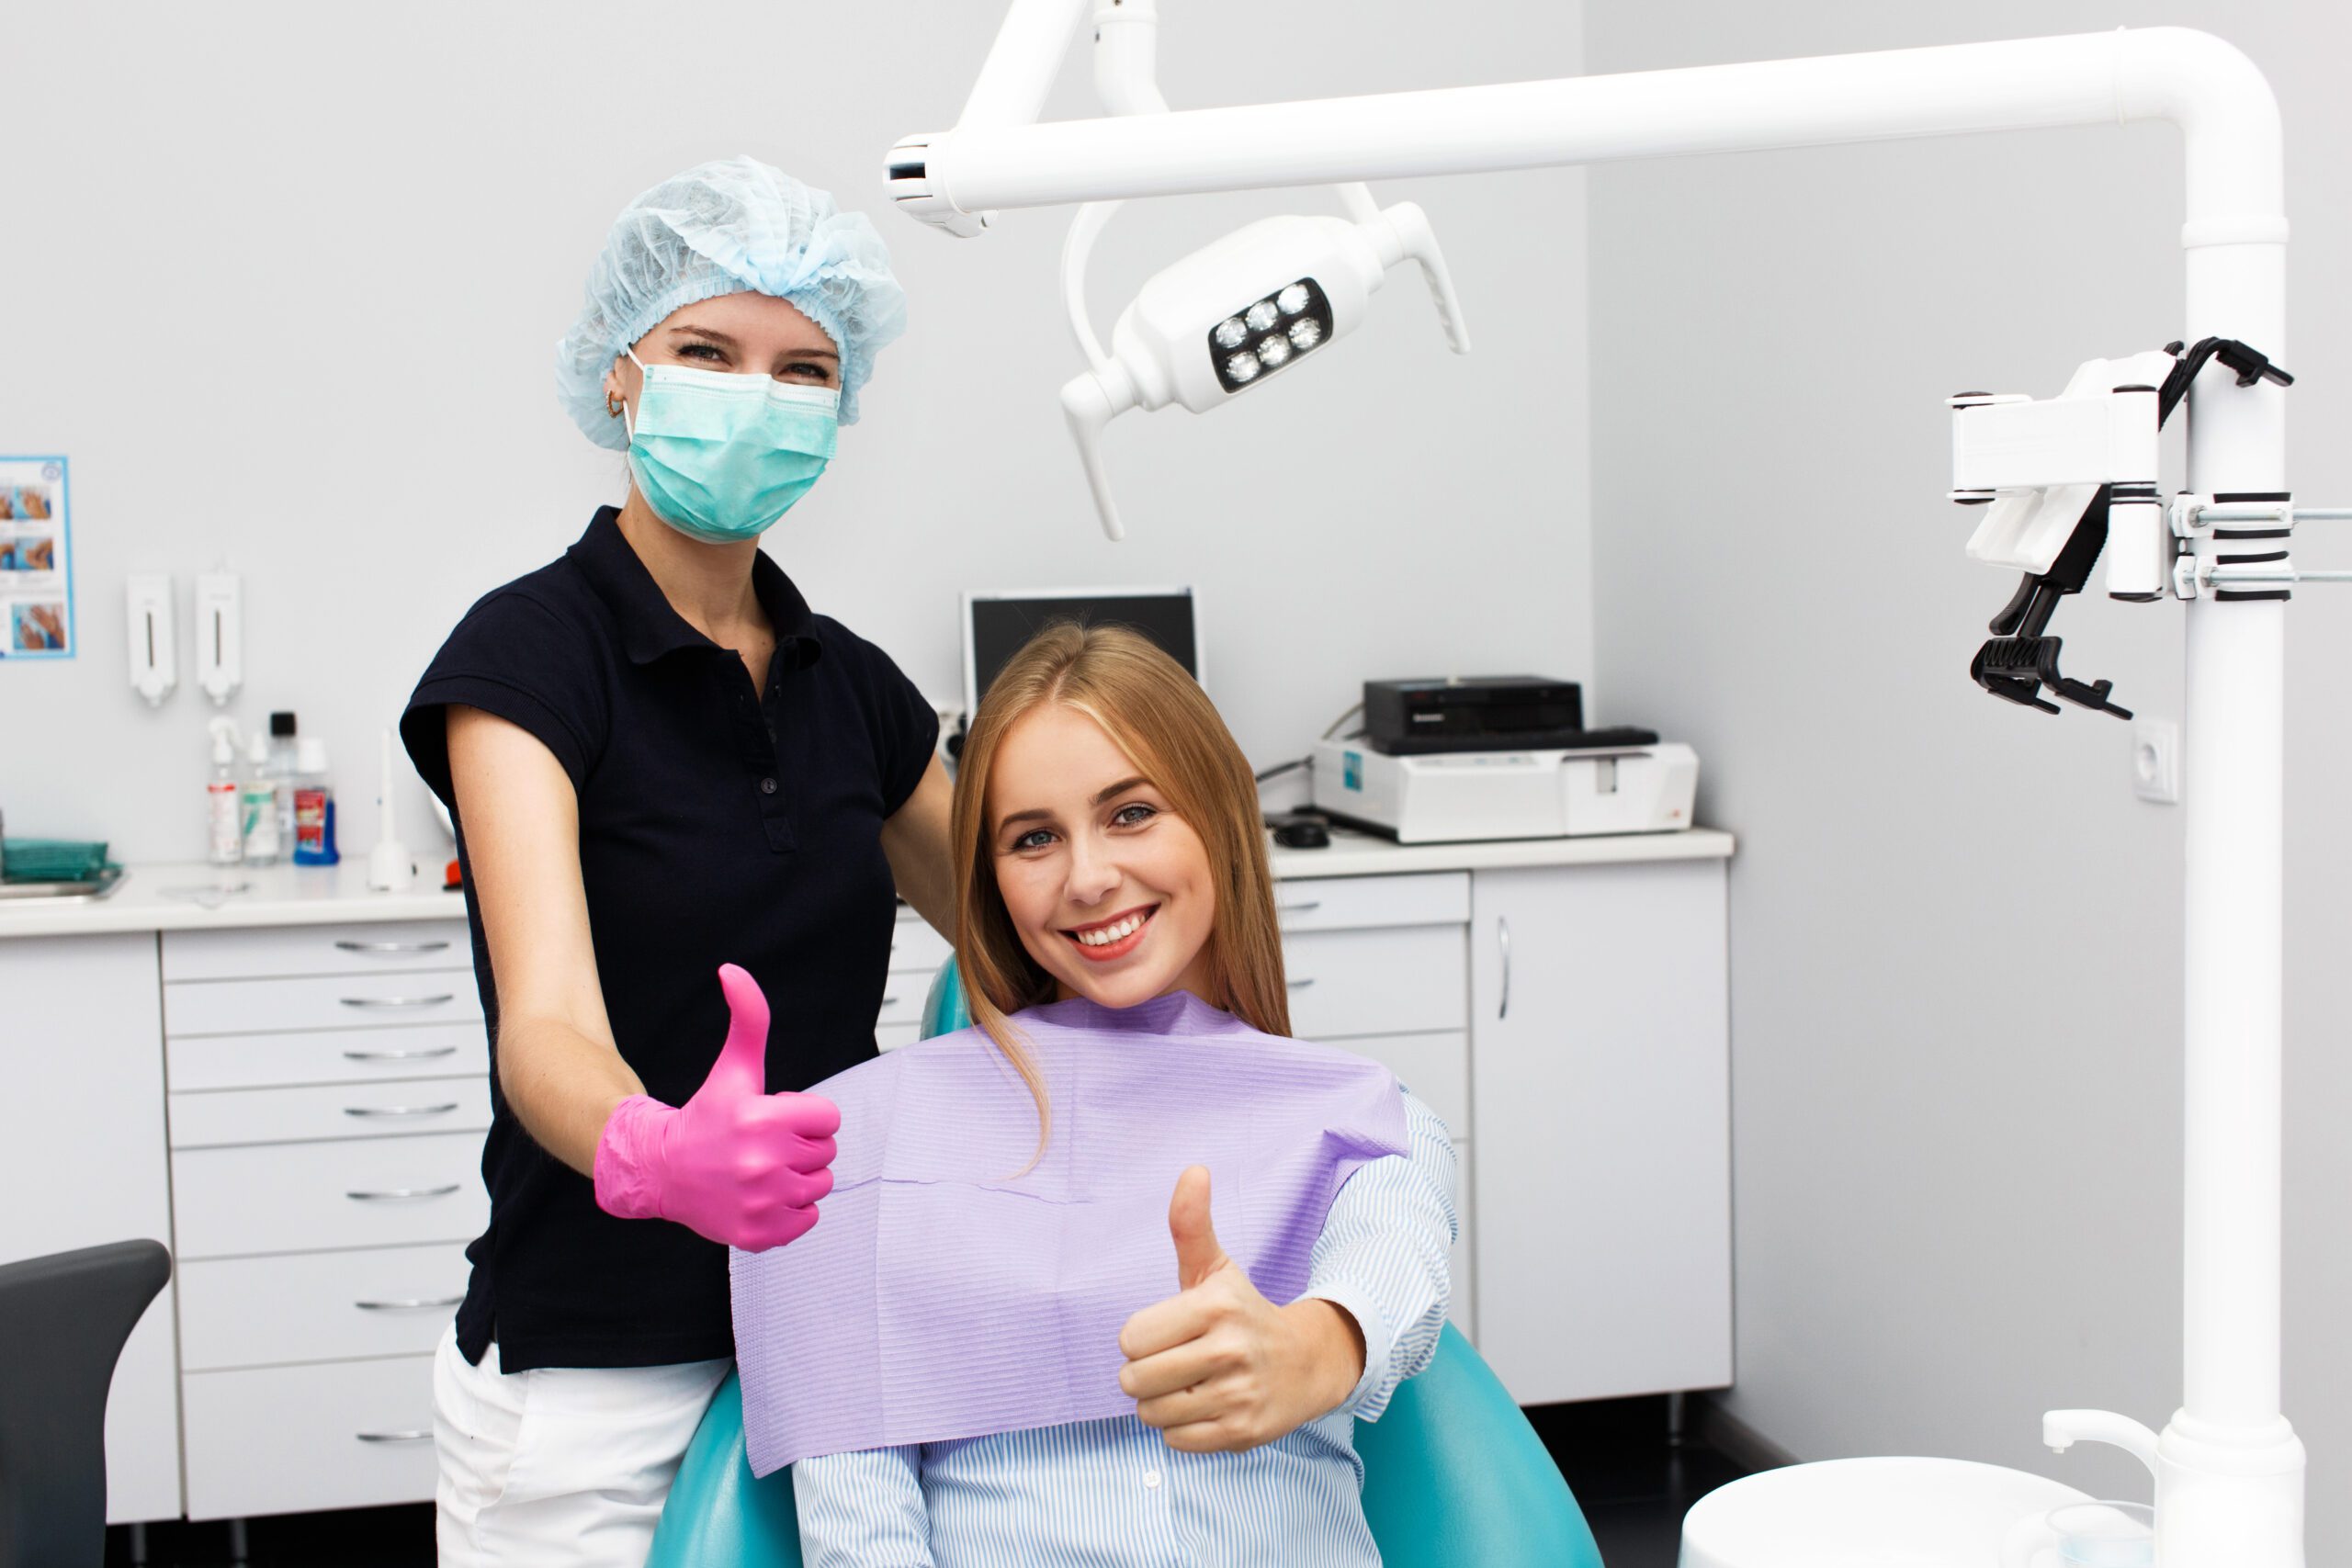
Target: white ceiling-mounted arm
[(1089, 402), (1009, 91), (1407, 229)]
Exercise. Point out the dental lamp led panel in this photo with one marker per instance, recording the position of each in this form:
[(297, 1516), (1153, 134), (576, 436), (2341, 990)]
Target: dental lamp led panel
[(2230, 1470)]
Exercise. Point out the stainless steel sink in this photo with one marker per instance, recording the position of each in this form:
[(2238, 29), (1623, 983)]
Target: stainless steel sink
[(79, 890)]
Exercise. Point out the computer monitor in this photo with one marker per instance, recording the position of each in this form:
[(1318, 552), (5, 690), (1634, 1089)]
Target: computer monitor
[(995, 624)]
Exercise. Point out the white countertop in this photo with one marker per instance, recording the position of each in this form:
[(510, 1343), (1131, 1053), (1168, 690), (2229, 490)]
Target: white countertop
[(1365, 854), (165, 897)]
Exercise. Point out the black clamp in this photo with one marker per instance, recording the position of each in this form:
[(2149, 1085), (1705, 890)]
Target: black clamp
[(2020, 660)]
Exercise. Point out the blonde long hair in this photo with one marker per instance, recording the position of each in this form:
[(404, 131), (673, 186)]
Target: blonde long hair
[(1158, 714)]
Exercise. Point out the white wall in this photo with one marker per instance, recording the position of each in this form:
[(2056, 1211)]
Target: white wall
[(1955, 933), (285, 281)]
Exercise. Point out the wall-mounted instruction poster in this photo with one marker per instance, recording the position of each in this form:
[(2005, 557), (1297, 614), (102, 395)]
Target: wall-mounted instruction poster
[(36, 561)]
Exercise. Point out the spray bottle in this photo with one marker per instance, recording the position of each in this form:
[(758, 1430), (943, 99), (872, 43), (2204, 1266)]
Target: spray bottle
[(223, 805)]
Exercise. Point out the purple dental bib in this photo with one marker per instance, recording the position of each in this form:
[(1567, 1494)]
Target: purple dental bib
[(948, 1294)]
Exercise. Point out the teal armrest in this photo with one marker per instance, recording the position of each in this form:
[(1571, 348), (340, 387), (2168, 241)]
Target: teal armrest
[(1454, 1477), (718, 1513)]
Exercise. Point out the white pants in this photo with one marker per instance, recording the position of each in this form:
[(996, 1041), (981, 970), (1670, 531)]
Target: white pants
[(561, 1465)]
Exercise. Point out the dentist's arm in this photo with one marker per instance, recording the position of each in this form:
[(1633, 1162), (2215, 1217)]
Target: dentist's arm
[(734, 1164), (915, 840), (557, 1061)]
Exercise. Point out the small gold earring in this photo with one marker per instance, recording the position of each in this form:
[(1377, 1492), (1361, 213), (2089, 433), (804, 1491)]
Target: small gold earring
[(613, 404)]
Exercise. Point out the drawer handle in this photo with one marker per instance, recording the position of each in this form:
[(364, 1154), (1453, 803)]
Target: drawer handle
[(1301, 907), (389, 947), (441, 1109), (414, 1303), (1502, 942), (398, 1001), (398, 1056), (396, 1193), (889, 1001), (411, 1437), (1301, 984)]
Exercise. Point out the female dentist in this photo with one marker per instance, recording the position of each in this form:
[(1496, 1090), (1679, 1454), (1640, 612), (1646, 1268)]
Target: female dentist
[(660, 760)]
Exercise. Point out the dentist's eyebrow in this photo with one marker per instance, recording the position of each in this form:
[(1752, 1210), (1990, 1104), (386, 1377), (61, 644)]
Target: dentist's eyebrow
[(706, 335)]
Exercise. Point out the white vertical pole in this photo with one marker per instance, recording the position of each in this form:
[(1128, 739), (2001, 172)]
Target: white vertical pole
[(2231, 1470)]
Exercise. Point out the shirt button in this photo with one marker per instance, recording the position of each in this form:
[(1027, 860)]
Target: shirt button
[(1152, 1478), (767, 786)]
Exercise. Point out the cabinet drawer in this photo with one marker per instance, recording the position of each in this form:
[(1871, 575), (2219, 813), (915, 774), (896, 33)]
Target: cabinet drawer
[(317, 1306), (279, 951), (299, 1439), (352, 1111), (895, 1035), (915, 948), (327, 1056), (1346, 903), (902, 1000), (299, 1197), (1409, 980), (327, 1001), (1436, 1067)]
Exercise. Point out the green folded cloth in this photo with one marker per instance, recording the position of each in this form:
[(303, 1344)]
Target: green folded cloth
[(52, 859)]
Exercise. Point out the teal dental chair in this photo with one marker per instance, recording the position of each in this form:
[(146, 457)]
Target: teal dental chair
[(1454, 1477)]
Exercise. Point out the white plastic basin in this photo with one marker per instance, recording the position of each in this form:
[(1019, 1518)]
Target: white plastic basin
[(1867, 1513)]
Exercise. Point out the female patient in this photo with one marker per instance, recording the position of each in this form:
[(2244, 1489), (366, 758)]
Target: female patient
[(1117, 936)]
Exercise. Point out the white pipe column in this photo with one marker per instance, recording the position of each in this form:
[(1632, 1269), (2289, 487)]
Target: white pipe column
[(2229, 1475)]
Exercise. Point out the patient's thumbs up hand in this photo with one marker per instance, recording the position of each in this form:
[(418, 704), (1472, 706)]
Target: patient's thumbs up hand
[(1198, 1256), (1219, 1368), (734, 1163)]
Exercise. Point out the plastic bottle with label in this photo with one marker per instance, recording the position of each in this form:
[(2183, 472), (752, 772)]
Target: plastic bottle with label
[(223, 812), (314, 805), (259, 801)]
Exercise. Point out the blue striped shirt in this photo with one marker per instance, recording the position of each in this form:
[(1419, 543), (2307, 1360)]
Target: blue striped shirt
[(1096, 1492)]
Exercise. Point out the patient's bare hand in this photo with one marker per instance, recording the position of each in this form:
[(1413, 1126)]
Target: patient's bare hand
[(1218, 1368)]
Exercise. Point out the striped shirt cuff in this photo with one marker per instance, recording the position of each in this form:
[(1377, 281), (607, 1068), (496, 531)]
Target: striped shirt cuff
[(1379, 1337)]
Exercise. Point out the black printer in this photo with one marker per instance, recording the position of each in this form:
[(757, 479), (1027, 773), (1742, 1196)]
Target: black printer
[(1483, 712)]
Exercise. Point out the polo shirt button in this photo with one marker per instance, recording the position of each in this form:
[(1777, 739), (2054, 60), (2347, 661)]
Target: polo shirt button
[(1152, 1478), (767, 786)]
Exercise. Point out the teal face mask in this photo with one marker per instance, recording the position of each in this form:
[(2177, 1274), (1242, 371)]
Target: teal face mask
[(721, 456)]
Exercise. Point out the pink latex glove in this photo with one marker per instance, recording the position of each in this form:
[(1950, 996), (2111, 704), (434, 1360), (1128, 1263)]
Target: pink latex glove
[(735, 1163)]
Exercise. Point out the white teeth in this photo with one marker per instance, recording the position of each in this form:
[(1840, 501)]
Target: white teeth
[(1110, 934)]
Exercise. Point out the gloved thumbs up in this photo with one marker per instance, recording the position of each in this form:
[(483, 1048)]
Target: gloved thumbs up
[(742, 1066), (734, 1163), (1198, 1256)]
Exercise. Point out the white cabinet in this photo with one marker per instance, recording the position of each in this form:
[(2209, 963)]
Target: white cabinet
[(1599, 1088), (81, 1160), (328, 1099)]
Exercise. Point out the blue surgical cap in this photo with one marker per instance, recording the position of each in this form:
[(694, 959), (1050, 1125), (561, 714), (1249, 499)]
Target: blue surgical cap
[(728, 228)]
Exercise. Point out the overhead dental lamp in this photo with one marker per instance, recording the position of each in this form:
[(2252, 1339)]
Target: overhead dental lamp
[(1237, 312)]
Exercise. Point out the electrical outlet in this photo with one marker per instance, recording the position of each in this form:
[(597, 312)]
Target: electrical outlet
[(2155, 760)]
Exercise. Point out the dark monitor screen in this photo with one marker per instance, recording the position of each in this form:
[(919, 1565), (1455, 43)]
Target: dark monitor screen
[(997, 624)]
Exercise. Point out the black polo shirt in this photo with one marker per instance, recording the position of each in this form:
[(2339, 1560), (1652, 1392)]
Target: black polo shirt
[(718, 824)]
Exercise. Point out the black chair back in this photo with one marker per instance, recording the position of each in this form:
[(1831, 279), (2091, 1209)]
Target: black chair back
[(63, 1319)]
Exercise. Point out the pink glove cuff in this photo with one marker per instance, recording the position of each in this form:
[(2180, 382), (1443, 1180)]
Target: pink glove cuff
[(628, 1159)]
